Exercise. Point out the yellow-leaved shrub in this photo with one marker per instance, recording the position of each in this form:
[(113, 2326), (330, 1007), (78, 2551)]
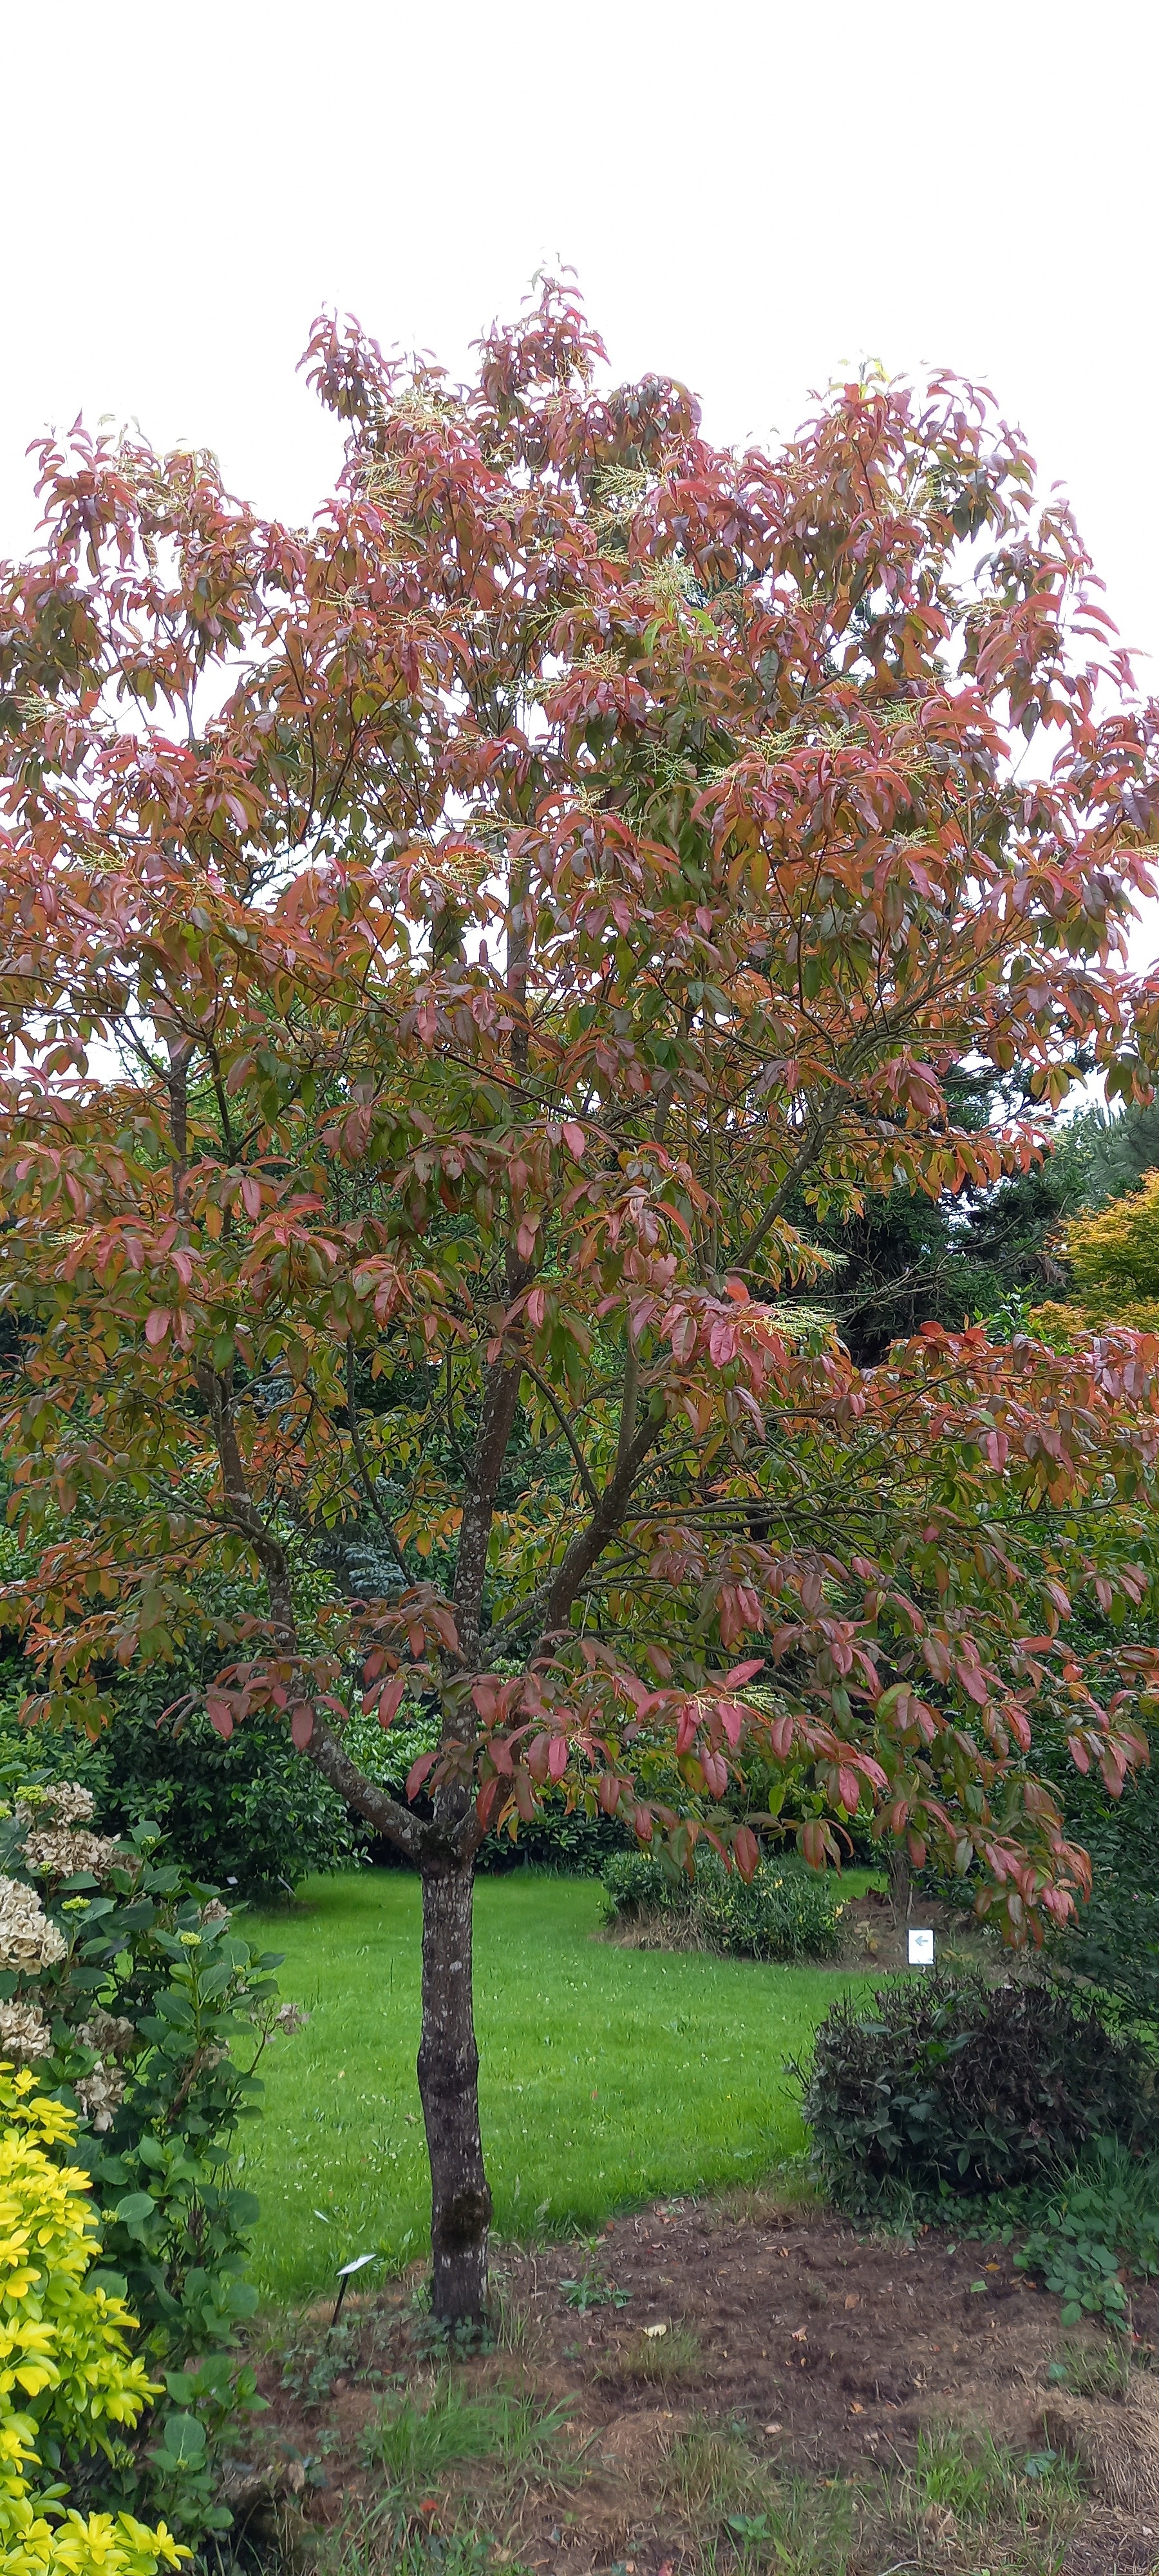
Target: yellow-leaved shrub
[(68, 2381), (1113, 1259)]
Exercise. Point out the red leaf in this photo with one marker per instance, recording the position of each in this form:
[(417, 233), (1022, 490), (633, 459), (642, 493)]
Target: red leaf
[(485, 1801), (157, 1324), (574, 1139), (746, 1851), (418, 1772), (220, 1715), (302, 1725), (390, 1700), (744, 1672)]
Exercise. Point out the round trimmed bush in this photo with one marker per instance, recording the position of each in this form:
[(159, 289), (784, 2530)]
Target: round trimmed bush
[(949, 2084)]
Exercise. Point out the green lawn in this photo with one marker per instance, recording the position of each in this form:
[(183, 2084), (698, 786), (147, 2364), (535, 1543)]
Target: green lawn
[(609, 2076)]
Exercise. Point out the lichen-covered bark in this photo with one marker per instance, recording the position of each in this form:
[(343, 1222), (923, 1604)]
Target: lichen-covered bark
[(448, 2071)]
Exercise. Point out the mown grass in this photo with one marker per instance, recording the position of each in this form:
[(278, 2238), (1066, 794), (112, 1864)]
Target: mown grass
[(609, 2076)]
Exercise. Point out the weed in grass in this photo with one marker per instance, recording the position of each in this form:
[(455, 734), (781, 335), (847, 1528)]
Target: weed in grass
[(1101, 2219), (804, 2530), (419, 2445), (314, 2355), (750, 2518), (978, 2482), (593, 2290), (711, 2472), (379, 2543), (673, 2359), (515, 2329), (1094, 2369)]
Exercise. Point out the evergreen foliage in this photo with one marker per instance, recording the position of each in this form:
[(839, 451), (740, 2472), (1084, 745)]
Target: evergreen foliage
[(949, 2084)]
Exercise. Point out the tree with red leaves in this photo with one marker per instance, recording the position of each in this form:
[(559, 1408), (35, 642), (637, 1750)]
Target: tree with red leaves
[(441, 949)]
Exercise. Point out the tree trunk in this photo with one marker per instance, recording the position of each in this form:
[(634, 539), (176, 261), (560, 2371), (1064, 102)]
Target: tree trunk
[(448, 2072), (897, 1865)]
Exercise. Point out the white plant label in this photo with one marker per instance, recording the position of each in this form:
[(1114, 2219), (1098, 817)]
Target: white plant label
[(921, 1949)]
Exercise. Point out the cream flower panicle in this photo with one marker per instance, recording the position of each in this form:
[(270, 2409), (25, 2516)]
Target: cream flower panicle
[(100, 2094), (24, 2033), (59, 1851), (67, 1803), (27, 1937), (108, 2033)]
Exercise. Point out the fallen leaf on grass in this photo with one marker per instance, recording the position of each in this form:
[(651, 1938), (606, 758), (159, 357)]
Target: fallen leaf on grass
[(653, 2331), (852, 2299), (772, 2428)]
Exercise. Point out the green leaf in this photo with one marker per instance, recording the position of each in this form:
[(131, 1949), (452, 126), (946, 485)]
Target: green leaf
[(135, 2206), (183, 2443)]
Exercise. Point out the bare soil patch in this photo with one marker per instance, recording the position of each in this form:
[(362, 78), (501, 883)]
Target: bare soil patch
[(711, 2366)]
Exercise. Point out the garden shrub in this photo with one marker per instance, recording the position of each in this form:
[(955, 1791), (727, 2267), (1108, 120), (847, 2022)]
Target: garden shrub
[(945, 2084), (1112, 1947), (786, 1911), (635, 1884), (70, 2387), (128, 1990), (576, 1845), (1113, 1951), (250, 1814)]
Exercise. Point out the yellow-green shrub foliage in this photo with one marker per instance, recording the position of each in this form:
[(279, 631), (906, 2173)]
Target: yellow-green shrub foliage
[(68, 2382), (1114, 1264)]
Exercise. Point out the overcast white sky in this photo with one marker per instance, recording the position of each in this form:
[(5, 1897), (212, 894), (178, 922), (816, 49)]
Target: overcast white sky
[(754, 197)]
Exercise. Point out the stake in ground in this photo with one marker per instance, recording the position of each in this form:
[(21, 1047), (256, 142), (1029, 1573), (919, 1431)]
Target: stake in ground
[(514, 904)]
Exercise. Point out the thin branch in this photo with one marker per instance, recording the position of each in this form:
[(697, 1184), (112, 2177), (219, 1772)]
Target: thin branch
[(589, 1486), (815, 1136)]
